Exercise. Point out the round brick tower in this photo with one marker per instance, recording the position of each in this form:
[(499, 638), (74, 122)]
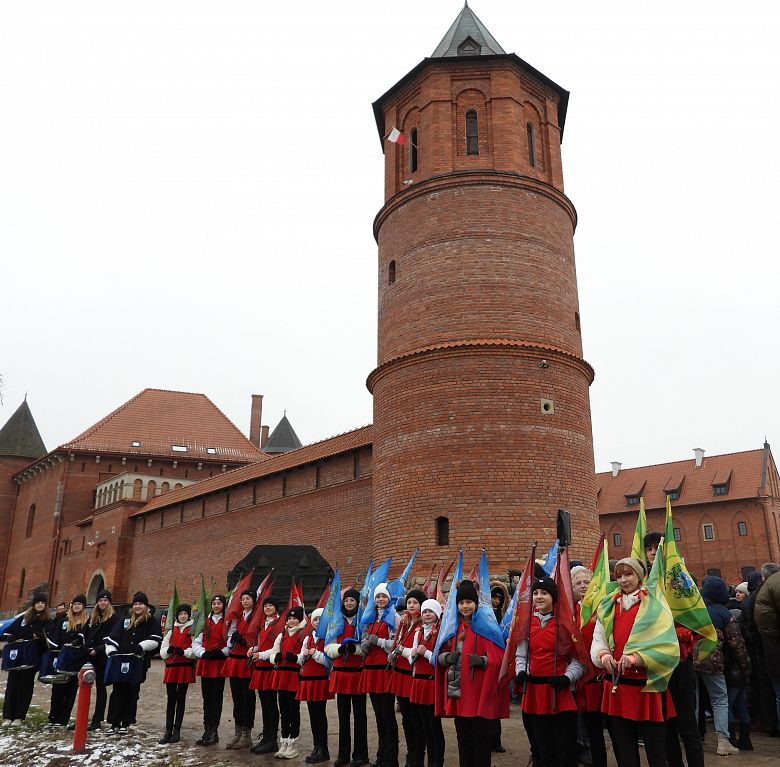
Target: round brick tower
[(482, 424)]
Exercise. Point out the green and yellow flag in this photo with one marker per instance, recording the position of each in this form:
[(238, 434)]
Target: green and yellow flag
[(600, 584), (173, 608), (652, 636), (682, 595), (638, 544), (202, 610)]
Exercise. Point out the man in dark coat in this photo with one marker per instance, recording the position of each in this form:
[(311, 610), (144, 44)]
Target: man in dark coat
[(767, 617)]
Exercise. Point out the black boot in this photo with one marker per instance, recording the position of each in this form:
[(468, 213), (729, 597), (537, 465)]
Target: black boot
[(175, 735), (267, 747), (733, 735), (744, 743), (166, 738), (210, 738), (199, 741), (320, 755)]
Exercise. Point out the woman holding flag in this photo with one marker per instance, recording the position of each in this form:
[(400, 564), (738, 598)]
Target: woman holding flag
[(209, 648), (313, 688), (635, 643), (262, 676), (176, 651)]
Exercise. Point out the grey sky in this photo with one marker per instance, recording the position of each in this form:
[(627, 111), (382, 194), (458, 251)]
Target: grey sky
[(187, 191)]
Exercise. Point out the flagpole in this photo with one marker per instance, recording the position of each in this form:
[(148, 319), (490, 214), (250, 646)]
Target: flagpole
[(557, 631)]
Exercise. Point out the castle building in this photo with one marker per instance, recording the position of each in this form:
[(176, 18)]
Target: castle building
[(482, 426)]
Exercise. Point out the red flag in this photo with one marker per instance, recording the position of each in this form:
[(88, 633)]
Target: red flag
[(428, 588), (323, 599), (570, 640), (443, 573), (233, 609), (597, 554), (474, 574), (396, 137), (520, 627), (263, 590), (296, 595)]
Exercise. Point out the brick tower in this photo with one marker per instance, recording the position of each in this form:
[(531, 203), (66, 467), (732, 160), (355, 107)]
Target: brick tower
[(482, 424)]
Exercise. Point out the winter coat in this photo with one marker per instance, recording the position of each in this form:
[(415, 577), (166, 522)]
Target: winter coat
[(767, 617), (736, 662), (716, 596)]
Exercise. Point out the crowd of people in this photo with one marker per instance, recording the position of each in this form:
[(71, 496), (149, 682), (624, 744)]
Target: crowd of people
[(570, 702)]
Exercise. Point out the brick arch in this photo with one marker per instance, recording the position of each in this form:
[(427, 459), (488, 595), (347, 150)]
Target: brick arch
[(96, 584), (706, 519), (138, 485), (737, 517), (151, 490), (468, 100), (616, 528), (532, 115)]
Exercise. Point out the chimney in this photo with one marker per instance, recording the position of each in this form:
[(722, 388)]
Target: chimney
[(698, 454), (616, 466), (263, 436), (255, 419)]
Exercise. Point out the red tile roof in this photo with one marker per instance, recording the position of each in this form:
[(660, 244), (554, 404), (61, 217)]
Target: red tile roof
[(341, 443), (745, 470), (159, 419)]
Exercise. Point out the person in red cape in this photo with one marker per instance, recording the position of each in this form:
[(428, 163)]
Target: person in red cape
[(287, 647), (547, 675), (377, 642), (313, 687), (345, 674), (632, 712), (467, 683), (588, 695), (179, 674), (262, 678), (423, 694), (237, 669), (209, 648)]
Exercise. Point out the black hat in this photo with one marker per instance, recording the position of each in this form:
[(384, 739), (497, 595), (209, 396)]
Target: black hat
[(39, 596), (354, 593), (139, 596), (79, 598), (295, 612), (417, 594), (104, 593), (221, 598), (184, 608), (546, 584), (497, 591), (270, 601), (249, 593), (467, 590), (539, 571)]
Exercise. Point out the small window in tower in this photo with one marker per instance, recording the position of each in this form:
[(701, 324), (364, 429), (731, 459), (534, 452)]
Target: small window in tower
[(709, 532), (442, 531), (391, 272), (30, 521), (529, 129), (413, 150), (617, 540), (742, 528), (472, 133), (21, 584), (577, 321)]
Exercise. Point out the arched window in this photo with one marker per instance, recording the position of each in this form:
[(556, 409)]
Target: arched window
[(472, 133), (30, 522), (413, 150), (391, 272), (137, 485), (151, 490), (165, 487), (530, 133), (442, 531), (21, 584)]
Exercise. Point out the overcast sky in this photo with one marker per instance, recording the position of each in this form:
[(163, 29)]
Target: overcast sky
[(187, 191)]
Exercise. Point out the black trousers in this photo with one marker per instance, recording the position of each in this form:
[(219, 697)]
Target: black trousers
[(243, 702), (594, 726), (685, 726), (555, 738), (473, 740), (356, 706), (290, 714), (18, 693), (269, 706), (383, 704), (433, 735), (63, 696), (177, 701), (101, 693), (625, 733), (413, 734), (123, 704), (318, 718), (213, 690)]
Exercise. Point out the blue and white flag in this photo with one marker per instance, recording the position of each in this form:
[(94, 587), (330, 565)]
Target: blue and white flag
[(379, 575), (552, 558), (449, 619), (506, 621), (331, 625), (484, 620), (397, 587)]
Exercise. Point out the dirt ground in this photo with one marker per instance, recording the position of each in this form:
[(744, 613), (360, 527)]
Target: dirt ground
[(34, 745)]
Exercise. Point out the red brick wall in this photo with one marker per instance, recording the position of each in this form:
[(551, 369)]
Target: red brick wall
[(729, 552), (8, 467)]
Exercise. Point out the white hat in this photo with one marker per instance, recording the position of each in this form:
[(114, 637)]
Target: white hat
[(381, 588), (433, 605), (743, 587), (317, 613)]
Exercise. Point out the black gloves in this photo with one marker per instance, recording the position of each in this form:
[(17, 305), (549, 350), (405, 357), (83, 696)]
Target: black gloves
[(477, 661), (560, 682), (175, 651), (345, 648), (213, 655), (277, 659), (449, 658), (77, 641), (136, 649), (238, 639), (521, 677), (372, 640), (291, 656)]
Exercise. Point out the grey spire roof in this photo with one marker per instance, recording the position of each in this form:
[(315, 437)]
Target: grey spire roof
[(20, 436), (283, 438), (467, 36)]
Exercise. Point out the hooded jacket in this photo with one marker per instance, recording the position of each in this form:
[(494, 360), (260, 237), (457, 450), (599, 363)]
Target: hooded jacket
[(716, 595), (767, 616)]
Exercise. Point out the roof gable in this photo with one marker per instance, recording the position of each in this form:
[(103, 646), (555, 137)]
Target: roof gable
[(467, 36), (168, 423), (20, 437)]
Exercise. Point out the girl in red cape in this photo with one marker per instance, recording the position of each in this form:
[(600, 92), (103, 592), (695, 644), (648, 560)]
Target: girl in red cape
[(467, 683), (176, 651)]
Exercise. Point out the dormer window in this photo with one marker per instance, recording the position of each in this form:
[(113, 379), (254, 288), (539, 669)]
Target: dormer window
[(469, 47), (632, 500), (179, 448), (720, 489), (135, 443), (211, 450), (672, 495), (721, 481)]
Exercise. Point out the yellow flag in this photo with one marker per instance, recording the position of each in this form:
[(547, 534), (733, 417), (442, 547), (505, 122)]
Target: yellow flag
[(638, 544)]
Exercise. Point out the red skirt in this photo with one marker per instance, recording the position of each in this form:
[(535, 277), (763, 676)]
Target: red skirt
[(211, 669), (345, 680), (630, 702), (262, 677), (237, 666), (423, 690), (179, 673), (314, 688), (589, 696), (401, 679), (375, 678), (285, 678)]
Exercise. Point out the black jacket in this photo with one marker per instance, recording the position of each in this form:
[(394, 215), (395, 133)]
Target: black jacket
[(125, 638), (95, 636)]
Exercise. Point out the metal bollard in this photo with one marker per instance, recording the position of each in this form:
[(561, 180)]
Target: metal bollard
[(86, 680)]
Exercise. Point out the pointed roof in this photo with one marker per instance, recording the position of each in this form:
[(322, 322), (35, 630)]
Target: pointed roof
[(174, 424), (20, 436), (467, 36), (283, 438)]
